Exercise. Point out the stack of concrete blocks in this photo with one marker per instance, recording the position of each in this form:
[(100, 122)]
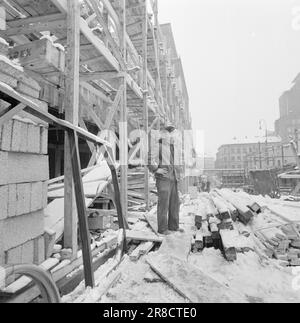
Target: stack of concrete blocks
[(24, 175)]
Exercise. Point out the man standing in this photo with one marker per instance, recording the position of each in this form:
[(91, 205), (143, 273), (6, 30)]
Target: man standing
[(165, 165)]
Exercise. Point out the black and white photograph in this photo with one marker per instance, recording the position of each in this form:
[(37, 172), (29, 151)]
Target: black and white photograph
[(149, 154)]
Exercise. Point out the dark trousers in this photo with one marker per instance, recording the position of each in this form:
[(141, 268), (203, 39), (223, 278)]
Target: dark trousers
[(168, 205)]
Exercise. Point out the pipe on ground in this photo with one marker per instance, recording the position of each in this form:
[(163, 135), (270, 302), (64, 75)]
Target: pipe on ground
[(41, 278)]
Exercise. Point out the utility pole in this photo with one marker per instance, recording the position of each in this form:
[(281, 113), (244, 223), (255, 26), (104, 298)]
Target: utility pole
[(260, 157), (297, 138)]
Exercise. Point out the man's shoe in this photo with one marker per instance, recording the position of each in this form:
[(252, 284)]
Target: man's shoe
[(166, 233)]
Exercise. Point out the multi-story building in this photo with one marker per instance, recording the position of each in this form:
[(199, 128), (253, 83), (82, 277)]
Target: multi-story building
[(256, 153), (289, 105), (173, 82)]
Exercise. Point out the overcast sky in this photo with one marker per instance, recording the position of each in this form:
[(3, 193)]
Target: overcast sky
[(239, 56)]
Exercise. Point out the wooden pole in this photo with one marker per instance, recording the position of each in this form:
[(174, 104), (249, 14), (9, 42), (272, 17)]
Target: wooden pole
[(71, 115), (81, 210), (145, 97), (123, 120)]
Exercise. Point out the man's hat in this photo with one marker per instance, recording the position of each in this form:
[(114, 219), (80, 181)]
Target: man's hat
[(170, 126)]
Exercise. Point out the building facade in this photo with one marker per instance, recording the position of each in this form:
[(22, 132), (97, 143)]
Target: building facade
[(288, 124), (259, 153)]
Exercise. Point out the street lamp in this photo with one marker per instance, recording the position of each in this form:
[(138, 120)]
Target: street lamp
[(262, 123)]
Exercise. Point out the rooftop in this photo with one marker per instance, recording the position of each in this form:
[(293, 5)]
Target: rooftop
[(252, 140)]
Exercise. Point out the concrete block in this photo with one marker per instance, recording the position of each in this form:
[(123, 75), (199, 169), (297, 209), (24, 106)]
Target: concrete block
[(28, 252), (23, 168), (36, 197), (23, 199), (45, 195), (20, 135), (23, 254), (18, 230), (39, 250), (24, 137), (13, 256), (3, 202), (6, 136), (12, 198), (44, 140), (33, 144), (18, 132)]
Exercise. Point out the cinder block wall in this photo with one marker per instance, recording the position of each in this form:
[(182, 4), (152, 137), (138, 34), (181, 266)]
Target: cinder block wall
[(24, 175)]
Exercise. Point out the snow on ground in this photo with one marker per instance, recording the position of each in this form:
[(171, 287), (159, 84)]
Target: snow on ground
[(253, 275), (133, 289), (260, 281)]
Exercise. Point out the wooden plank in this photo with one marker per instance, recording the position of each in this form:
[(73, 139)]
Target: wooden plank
[(113, 109), (190, 282), (62, 5), (151, 219), (228, 238), (34, 27), (143, 236), (71, 115), (145, 98), (123, 125), (81, 211), (141, 250)]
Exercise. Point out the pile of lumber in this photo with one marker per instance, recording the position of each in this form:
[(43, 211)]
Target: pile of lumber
[(215, 219), (281, 243)]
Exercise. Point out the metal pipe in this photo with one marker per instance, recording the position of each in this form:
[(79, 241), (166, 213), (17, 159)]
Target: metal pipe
[(42, 278)]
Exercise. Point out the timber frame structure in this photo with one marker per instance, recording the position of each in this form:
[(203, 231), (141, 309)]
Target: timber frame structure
[(120, 74)]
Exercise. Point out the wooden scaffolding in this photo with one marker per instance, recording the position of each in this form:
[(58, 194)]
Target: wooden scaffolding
[(117, 70)]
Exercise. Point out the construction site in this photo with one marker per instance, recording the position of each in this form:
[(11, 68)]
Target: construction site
[(83, 84)]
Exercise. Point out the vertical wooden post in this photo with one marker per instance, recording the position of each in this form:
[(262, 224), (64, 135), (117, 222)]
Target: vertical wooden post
[(81, 210), (58, 155), (71, 115), (158, 87), (145, 96), (123, 121)]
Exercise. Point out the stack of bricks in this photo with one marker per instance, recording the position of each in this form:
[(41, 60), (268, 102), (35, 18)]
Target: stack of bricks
[(24, 175)]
